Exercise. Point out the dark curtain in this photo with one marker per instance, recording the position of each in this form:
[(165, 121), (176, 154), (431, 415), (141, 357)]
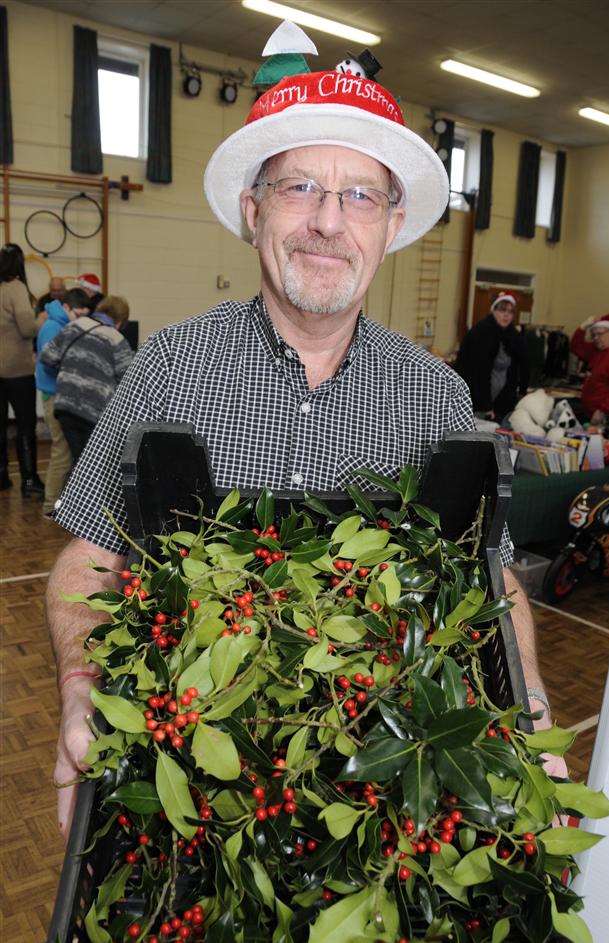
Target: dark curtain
[(526, 200), (446, 141), (559, 187), (86, 133), (158, 168), (485, 191), (6, 123)]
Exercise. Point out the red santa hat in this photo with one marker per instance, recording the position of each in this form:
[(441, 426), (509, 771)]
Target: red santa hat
[(502, 298), (89, 280), (329, 108)]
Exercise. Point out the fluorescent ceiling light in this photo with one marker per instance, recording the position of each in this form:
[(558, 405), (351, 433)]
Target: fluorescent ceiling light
[(489, 78), (312, 21), (594, 114)]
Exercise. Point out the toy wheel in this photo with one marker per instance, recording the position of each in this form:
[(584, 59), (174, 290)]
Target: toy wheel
[(560, 579)]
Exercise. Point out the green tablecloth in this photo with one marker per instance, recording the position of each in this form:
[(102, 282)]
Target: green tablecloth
[(538, 510)]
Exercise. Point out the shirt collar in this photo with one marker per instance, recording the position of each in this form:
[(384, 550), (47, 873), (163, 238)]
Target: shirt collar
[(104, 318), (276, 347)]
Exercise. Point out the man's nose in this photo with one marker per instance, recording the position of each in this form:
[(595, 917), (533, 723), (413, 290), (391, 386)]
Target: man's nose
[(329, 219)]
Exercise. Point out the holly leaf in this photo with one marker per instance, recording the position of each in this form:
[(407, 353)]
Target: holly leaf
[(452, 683), (309, 551), (461, 771), (457, 728), (414, 642), (223, 930), (139, 796), (296, 748), (340, 818), (345, 628), (214, 751), (428, 700), (265, 508), (277, 574), (474, 867), (500, 757), (555, 740), (172, 789), (577, 796), (345, 920), (346, 529), (364, 542), (119, 712), (378, 762), (570, 926), (419, 790), (567, 840)]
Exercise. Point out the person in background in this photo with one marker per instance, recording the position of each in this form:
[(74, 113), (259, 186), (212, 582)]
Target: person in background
[(17, 328), (492, 360), (74, 303), (591, 344), (89, 357), (56, 292), (90, 283)]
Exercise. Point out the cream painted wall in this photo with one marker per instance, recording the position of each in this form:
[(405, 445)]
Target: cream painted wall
[(166, 249), (582, 288)]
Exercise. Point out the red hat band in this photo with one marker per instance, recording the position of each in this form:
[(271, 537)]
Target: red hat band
[(327, 88)]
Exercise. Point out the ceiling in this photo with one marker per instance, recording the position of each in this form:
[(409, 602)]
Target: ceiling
[(559, 46)]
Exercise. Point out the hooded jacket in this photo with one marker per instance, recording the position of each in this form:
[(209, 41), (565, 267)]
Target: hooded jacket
[(46, 377), (475, 362)]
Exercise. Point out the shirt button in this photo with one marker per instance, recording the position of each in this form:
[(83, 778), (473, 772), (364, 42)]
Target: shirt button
[(57, 504), (297, 478), (278, 361), (305, 407), (289, 353)]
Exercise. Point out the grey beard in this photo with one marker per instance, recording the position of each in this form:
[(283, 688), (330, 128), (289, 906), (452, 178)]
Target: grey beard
[(319, 300)]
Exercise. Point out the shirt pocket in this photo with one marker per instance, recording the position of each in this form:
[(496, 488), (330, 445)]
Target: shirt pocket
[(349, 464)]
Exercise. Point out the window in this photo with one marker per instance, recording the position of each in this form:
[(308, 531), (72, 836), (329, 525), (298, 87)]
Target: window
[(464, 167), (122, 75), (545, 188)]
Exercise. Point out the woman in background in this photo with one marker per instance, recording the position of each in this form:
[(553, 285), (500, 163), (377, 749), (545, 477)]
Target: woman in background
[(17, 328), (492, 360)]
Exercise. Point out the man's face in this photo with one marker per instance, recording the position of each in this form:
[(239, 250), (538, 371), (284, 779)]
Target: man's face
[(600, 337), (57, 288), (504, 313), (321, 261)]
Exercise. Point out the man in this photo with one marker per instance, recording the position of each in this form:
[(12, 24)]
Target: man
[(90, 283), (59, 315), (591, 344), (296, 388), (56, 292), (492, 360)]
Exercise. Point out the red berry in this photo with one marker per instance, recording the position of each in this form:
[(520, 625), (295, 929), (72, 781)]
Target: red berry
[(134, 930), (312, 632), (184, 933), (185, 700), (159, 735), (529, 848), (177, 742), (151, 724), (358, 677), (446, 837), (343, 682), (176, 923), (261, 814), (349, 704), (258, 793), (165, 929), (160, 618), (311, 845), (326, 894), (143, 839), (194, 603), (369, 681), (435, 848), (136, 582), (131, 857), (361, 697), (372, 801), (288, 794), (383, 567), (505, 853), (529, 836), (456, 816), (376, 607), (404, 873), (123, 820), (126, 574), (362, 572), (192, 717), (474, 635), (128, 590), (289, 807)]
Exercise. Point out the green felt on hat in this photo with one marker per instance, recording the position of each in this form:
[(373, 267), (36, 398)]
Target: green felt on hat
[(280, 65)]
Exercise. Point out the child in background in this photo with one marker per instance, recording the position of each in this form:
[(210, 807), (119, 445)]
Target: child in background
[(59, 314), (90, 357)]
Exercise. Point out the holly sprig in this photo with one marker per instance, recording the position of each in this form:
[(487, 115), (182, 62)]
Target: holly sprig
[(297, 743)]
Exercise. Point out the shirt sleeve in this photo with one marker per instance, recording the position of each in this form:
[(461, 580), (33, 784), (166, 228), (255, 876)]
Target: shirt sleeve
[(95, 485), (123, 355), (24, 313), (462, 420)]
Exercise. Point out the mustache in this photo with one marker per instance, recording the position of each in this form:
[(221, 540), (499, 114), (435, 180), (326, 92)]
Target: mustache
[(319, 246)]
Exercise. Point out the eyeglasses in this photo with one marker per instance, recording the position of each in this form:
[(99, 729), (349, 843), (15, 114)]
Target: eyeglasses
[(361, 204)]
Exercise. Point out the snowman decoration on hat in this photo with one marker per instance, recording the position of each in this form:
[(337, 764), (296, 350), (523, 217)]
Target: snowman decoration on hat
[(343, 106)]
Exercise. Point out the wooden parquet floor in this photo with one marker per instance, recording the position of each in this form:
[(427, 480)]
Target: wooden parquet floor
[(574, 661)]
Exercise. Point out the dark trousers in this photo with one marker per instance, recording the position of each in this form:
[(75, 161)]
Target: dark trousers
[(77, 432), (20, 392)]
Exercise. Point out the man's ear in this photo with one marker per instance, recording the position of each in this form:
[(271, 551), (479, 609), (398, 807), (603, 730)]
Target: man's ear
[(249, 208), (395, 224)]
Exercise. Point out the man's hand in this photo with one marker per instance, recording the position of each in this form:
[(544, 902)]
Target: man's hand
[(74, 738)]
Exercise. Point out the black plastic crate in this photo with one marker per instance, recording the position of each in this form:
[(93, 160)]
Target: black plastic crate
[(166, 468)]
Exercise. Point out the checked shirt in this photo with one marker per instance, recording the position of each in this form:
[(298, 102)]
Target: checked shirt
[(230, 374)]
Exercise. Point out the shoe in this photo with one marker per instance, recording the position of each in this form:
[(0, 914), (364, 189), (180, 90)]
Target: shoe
[(32, 486), (5, 483)]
